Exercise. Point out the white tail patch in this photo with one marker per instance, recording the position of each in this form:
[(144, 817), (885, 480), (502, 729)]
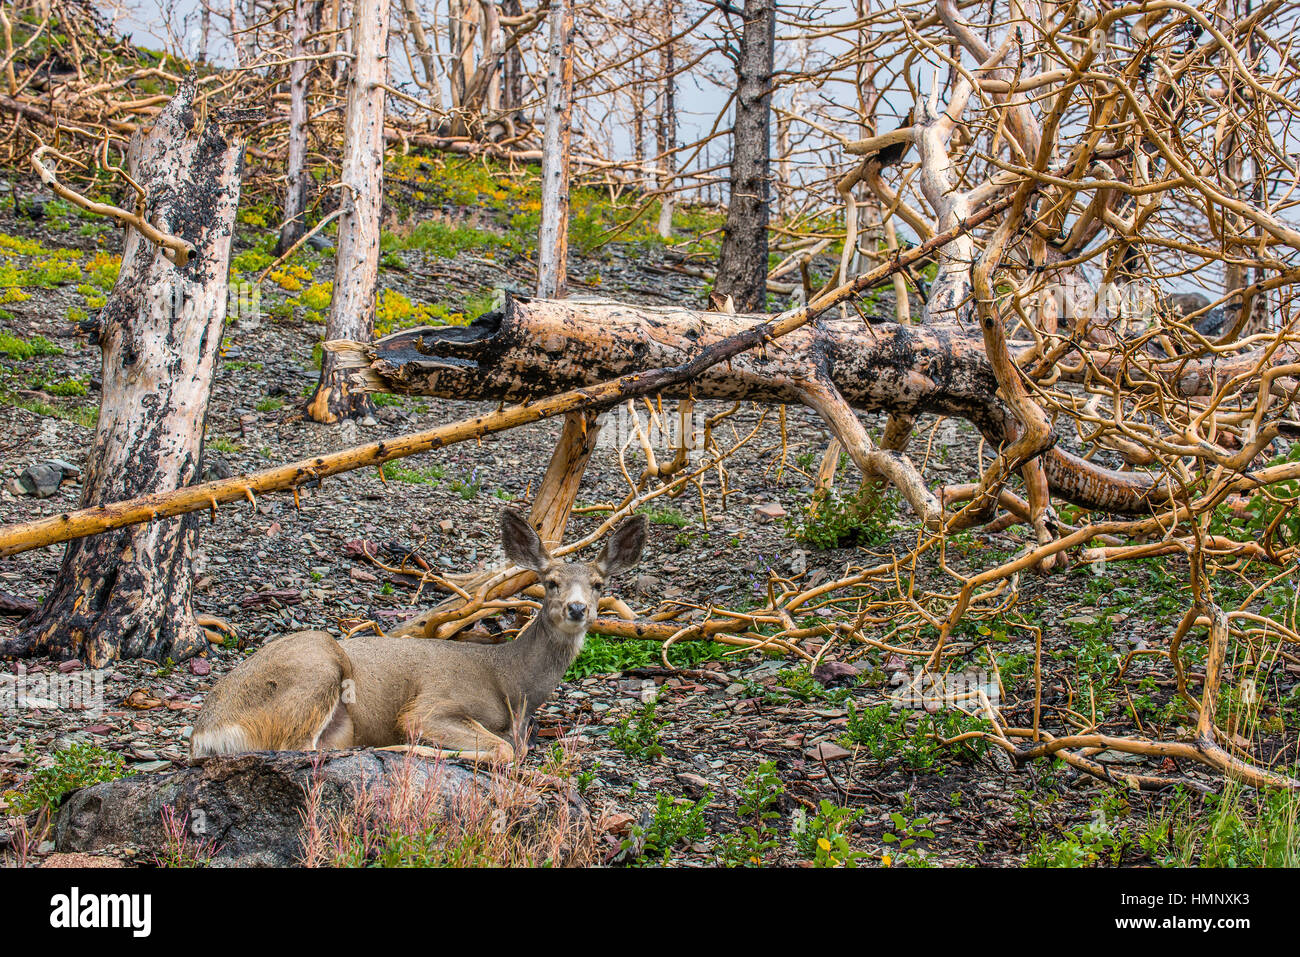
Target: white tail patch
[(227, 739), (334, 727)]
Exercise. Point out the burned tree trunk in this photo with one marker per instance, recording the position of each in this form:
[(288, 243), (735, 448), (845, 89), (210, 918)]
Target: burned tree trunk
[(837, 366), (126, 593), (295, 190), (356, 272), (742, 264), (553, 236), (666, 126)]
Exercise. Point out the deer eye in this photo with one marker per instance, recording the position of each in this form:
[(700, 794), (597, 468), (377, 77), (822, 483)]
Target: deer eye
[(597, 586), (551, 586)]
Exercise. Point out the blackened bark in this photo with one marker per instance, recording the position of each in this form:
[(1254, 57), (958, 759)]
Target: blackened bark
[(126, 593), (356, 263), (742, 265), (295, 192)]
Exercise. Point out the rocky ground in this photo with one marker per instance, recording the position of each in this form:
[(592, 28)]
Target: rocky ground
[(689, 767)]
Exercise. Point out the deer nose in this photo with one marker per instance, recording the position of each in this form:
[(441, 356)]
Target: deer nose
[(577, 610)]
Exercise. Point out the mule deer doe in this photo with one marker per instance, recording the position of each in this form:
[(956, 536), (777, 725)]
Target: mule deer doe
[(306, 691)]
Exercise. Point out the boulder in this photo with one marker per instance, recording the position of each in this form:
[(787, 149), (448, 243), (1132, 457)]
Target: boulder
[(250, 806)]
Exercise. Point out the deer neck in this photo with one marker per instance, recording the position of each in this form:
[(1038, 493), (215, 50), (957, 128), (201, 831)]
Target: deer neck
[(542, 655)]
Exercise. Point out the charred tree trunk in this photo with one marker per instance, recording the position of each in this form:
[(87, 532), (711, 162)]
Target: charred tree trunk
[(126, 593), (553, 237), (742, 264), (512, 69), (356, 272), (539, 348), (295, 191), (666, 127)]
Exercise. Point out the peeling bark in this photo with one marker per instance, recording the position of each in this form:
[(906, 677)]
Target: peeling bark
[(126, 593)]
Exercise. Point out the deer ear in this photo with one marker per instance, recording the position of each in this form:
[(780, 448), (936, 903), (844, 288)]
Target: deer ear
[(623, 550), (522, 545)]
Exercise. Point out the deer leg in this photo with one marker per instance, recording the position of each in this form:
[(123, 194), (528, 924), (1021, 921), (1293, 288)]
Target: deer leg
[(450, 736)]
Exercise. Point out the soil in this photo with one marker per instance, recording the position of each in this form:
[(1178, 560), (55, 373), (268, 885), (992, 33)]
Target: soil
[(272, 568)]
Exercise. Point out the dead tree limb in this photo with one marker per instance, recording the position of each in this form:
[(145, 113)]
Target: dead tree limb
[(100, 518)]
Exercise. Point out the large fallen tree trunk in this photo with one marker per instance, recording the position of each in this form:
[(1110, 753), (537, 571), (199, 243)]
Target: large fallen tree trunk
[(151, 507), (535, 348)]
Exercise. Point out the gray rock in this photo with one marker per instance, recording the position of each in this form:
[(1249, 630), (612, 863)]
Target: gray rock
[(215, 466), (248, 805), (42, 479)]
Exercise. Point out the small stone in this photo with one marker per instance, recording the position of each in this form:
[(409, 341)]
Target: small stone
[(446, 526), (693, 782), (619, 822), (769, 511), (41, 480), (67, 667), (361, 575), (826, 751), (200, 667), (831, 672)]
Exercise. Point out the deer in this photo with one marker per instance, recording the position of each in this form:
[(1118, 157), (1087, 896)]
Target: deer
[(307, 691)]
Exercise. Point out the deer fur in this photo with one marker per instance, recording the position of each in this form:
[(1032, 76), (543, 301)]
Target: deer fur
[(306, 691)]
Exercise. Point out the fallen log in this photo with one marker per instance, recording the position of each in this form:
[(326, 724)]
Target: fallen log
[(537, 347), (66, 526)]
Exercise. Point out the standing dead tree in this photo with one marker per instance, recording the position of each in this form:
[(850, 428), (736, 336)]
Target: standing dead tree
[(356, 270), (297, 176), (553, 236), (126, 594), (742, 263)]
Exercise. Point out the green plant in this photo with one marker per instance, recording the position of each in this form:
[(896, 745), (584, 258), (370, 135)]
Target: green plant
[(834, 521), (77, 766), (638, 735), (428, 475), (27, 348), (1237, 828), (875, 729), (676, 822), (665, 515), (467, 487), (823, 838), (761, 790), (904, 835)]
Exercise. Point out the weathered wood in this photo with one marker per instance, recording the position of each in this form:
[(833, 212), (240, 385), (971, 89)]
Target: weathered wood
[(539, 347), (147, 508), (553, 235), (356, 269), (742, 263), (296, 175), (127, 595)]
